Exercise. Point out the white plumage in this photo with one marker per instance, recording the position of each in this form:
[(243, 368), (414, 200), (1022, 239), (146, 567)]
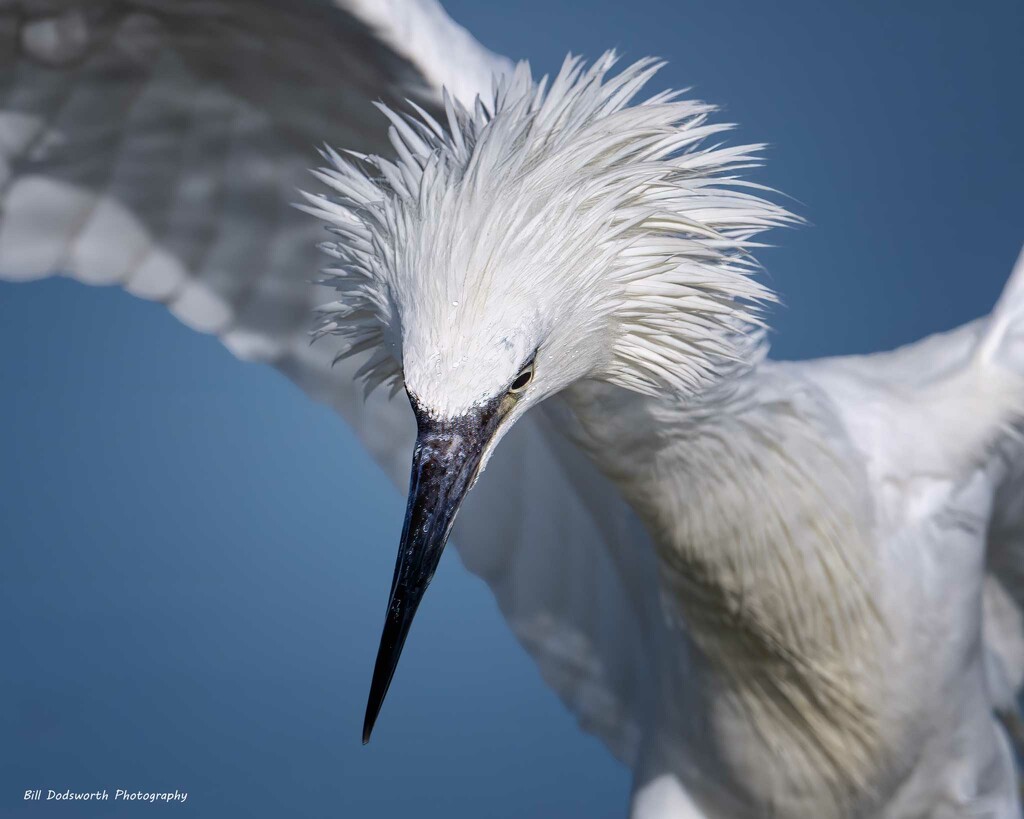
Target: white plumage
[(786, 589), (636, 271)]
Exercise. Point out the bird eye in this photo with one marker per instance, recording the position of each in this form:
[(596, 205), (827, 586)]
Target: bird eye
[(523, 379)]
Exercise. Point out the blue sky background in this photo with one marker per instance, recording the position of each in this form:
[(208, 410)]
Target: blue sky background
[(194, 558)]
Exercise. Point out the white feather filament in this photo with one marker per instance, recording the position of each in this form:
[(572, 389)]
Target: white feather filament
[(640, 233)]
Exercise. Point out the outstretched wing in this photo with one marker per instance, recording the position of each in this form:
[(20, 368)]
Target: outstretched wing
[(994, 347), (995, 341), (1003, 345), (157, 144)]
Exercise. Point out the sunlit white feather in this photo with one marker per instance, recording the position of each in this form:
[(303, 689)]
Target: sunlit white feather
[(561, 217)]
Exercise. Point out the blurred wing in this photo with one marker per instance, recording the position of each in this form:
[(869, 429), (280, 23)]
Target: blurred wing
[(1002, 344), (157, 144), (997, 342), (574, 574)]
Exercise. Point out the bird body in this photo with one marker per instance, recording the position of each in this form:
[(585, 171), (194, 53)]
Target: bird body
[(794, 513), (862, 488), (786, 589)]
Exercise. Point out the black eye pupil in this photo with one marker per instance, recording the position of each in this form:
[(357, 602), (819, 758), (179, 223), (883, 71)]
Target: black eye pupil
[(522, 379)]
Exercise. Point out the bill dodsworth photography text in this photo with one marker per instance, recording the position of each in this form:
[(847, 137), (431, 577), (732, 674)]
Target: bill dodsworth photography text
[(119, 795)]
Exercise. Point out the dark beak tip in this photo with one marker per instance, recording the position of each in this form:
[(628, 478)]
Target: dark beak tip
[(368, 722), (445, 463)]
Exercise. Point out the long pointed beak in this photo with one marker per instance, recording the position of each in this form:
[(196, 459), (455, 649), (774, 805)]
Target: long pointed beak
[(445, 464)]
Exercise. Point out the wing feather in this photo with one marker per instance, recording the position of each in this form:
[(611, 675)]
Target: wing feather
[(157, 144), (991, 347), (999, 345)]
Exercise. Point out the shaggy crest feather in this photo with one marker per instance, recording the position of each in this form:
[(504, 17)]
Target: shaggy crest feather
[(639, 231)]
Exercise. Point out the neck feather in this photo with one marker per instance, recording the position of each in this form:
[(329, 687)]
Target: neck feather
[(759, 520)]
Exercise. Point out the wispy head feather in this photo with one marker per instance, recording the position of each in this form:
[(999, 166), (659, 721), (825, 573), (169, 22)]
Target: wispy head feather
[(627, 225)]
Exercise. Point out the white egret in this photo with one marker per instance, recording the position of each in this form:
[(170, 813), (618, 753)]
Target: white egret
[(771, 589)]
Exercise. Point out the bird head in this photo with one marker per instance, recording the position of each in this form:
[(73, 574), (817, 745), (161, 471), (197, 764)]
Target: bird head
[(557, 232)]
